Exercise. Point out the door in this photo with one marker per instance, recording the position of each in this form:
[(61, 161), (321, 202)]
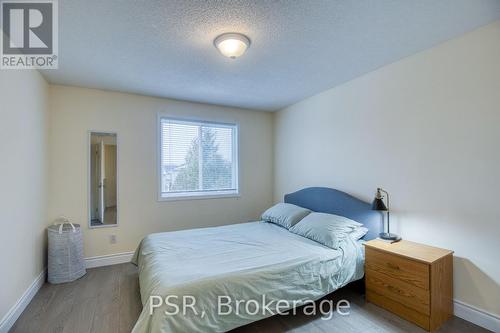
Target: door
[(101, 178)]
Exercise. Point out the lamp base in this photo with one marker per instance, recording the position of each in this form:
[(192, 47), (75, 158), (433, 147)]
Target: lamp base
[(389, 236)]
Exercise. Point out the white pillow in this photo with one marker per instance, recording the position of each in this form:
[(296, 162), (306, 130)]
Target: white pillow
[(359, 233), (285, 214), (327, 229)]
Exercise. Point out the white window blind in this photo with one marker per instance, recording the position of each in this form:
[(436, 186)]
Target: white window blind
[(197, 158)]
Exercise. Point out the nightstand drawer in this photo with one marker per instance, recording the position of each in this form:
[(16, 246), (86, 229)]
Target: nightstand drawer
[(409, 271), (413, 297), (399, 309)]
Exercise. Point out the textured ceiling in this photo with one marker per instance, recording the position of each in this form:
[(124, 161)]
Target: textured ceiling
[(299, 48)]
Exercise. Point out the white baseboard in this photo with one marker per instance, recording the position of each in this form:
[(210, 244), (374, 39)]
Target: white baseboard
[(109, 259), (10, 318), (477, 316)]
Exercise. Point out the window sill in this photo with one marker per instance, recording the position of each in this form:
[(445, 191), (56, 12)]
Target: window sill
[(178, 197)]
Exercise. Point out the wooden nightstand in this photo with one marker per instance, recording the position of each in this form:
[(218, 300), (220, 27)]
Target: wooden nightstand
[(412, 280)]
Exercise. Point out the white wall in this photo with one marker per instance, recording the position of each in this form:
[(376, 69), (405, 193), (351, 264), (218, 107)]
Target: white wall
[(23, 181), (427, 129), (74, 111)]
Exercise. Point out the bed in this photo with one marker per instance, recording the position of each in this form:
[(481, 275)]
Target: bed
[(214, 268)]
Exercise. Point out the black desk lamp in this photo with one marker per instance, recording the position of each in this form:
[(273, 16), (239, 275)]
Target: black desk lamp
[(378, 204)]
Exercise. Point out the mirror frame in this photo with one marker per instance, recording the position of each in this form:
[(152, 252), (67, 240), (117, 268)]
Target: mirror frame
[(89, 185)]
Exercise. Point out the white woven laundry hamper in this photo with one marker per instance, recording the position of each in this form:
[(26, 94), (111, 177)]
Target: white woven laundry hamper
[(65, 259)]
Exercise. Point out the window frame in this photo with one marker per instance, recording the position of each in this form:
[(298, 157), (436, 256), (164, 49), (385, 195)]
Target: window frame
[(161, 196)]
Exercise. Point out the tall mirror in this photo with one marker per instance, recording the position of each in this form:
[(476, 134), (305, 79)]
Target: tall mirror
[(103, 172)]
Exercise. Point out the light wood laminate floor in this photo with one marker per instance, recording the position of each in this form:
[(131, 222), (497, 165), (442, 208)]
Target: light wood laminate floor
[(107, 299)]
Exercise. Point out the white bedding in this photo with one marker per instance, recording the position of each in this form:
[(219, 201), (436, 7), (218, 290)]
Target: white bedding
[(243, 261)]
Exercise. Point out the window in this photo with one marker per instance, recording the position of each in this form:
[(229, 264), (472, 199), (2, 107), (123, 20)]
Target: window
[(197, 159)]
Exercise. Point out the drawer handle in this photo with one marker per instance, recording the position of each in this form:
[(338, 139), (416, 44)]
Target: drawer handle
[(396, 267), (394, 289)]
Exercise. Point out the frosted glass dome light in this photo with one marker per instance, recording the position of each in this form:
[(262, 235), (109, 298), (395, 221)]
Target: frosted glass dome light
[(232, 45)]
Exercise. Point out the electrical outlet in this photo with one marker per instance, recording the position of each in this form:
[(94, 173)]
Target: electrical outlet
[(112, 239)]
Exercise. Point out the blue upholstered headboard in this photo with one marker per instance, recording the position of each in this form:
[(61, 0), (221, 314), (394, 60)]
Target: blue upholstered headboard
[(329, 200)]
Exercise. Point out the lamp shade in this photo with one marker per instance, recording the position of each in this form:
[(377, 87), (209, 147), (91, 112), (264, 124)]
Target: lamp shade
[(378, 204)]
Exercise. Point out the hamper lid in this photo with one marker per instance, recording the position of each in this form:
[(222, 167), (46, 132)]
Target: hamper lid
[(64, 227)]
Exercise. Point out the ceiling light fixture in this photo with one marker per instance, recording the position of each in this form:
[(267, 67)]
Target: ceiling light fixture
[(232, 45)]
